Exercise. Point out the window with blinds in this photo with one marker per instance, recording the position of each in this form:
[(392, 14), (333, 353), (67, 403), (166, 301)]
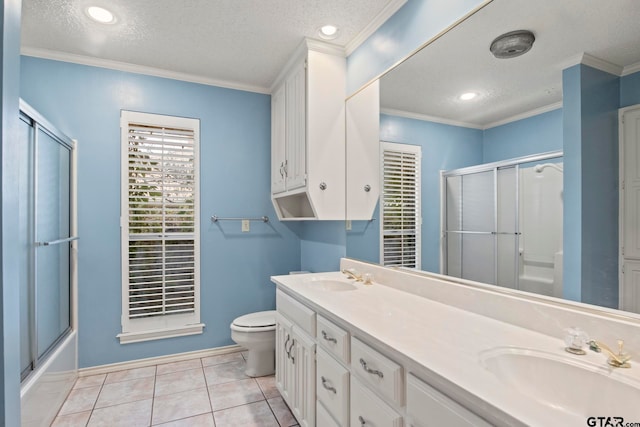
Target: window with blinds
[(400, 205), (160, 231)]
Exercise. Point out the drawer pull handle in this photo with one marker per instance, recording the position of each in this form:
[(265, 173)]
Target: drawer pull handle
[(362, 421), (293, 359), (328, 387), (285, 346), (328, 338), (369, 370)]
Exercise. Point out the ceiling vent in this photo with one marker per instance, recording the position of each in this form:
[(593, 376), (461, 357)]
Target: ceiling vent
[(512, 44)]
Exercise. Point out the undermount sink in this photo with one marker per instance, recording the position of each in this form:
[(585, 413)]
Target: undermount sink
[(566, 383), (326, 284)]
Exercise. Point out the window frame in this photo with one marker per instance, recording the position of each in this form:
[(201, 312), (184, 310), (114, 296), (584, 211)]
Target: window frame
[(417, 151), (167, 325)]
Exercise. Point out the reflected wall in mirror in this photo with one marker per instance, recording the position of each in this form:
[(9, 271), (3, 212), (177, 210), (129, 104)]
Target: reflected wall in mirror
[(565, 95)]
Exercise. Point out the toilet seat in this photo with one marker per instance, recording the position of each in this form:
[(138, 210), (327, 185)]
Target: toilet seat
[(261, 321)]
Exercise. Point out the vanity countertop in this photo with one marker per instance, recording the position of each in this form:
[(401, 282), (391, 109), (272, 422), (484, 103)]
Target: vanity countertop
[(447, 342)]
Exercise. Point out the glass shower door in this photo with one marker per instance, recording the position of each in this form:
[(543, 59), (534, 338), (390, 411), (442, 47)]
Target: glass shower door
[(470, 225), (52, 235), (45, 241)]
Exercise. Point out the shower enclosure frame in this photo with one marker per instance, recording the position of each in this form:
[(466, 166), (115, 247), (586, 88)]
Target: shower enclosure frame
[(37, 355), (487, 167)]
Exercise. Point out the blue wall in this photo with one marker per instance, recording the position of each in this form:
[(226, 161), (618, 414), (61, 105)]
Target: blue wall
[(533, 135), (591, 99), (9, 289), (630, 90), (85, 103), (322, 244), (409, 28)]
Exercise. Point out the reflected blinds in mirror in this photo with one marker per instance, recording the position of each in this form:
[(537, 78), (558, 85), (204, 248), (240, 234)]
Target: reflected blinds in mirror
[(400, 201)]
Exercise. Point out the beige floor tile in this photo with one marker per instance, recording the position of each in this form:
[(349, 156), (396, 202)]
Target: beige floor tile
[(182, 365), (222, 358), (125, 391), (252, 415), (134, 414), (225, 373), (80, 400), (72, 420), (282, 412), (130, 374), (234, 393), (90, 381), (180, 405), (176, 382), (204, 420), (268, 386)]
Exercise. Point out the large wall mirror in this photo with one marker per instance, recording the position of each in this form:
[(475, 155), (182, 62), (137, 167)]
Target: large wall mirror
[(518, 185)]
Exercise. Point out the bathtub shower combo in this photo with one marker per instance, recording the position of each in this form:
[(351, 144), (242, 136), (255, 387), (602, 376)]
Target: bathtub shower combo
[(502, 223)]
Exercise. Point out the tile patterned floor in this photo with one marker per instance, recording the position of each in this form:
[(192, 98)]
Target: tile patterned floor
[(207, 392)]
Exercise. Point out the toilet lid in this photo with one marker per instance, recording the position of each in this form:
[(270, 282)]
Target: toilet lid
[(257, 320)]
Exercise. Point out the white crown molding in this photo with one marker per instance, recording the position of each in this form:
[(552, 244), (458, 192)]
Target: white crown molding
[(138, 69), (525, 115), (141, 363), (433, 119), (593, 62), (301, 51), (389, 10), (630, 69), (426, 118)]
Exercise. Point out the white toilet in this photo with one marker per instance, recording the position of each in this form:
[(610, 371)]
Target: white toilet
[(257, 333)]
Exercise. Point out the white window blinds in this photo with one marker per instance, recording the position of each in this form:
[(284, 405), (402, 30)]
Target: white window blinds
[(160, 212), (400, 205)]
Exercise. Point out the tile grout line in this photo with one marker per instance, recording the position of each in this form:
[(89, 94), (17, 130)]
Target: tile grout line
[(206, 386)]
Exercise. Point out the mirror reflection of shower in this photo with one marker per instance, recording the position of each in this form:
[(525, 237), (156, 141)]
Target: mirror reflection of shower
[(502, 223)]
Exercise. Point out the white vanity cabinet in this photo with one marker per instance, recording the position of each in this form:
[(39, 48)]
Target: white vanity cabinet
[(296, 357), (308, 135), (427, 407), (329, 377)]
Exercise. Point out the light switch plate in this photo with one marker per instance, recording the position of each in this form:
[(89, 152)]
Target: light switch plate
[(245, 226)]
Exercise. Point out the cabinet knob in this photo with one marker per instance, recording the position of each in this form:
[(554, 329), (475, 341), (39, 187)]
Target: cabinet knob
[(367, 188), (323, 186)]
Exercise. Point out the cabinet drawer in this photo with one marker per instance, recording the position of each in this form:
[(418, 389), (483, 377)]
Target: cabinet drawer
[(428, 407), (332, 386), (369, 410), (297, 312), (377, 370), (323, 419), (333, 338)]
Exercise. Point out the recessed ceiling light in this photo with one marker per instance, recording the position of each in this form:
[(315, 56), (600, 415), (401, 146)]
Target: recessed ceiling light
[(328, 32), (468, 96), (100, 15)]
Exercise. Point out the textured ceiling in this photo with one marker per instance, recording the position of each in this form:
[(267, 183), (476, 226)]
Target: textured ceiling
[(430, 82), (241, 41)]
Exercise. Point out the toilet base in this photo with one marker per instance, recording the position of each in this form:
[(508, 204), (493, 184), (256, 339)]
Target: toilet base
[(261, 363)]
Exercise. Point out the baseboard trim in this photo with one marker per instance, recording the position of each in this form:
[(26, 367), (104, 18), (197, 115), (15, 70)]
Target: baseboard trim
[(141, 363)]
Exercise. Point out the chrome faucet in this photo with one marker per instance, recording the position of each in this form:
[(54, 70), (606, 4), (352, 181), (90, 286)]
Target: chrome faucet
[(619, 360), (352, 275)]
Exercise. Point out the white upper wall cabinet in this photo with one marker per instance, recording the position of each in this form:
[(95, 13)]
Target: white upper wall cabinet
[(308, 135)]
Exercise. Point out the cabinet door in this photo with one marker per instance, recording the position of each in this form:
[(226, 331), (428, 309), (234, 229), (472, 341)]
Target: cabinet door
[(296, 127), (278, 150), (363, 152), (284, 367), (304, 402)]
